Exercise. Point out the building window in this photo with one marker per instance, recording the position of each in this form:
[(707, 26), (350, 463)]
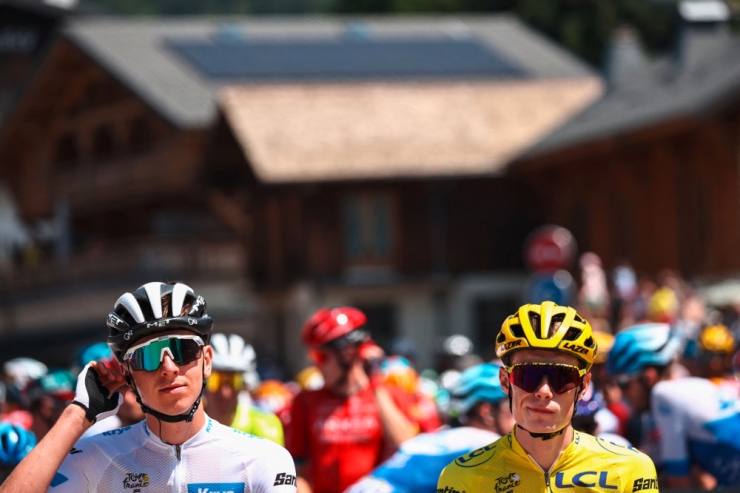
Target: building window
[(67, 152), (368, 229), (103, 143), (140, 135)]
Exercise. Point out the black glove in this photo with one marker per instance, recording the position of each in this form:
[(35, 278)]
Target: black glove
[(93, 397)]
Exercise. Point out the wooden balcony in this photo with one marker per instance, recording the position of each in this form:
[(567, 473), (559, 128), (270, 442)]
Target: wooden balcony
[(138, 262)]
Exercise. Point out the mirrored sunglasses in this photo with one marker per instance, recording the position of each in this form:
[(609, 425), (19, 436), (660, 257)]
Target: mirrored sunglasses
[(218, 379), (352, 338), (561, 378), (183, 349)]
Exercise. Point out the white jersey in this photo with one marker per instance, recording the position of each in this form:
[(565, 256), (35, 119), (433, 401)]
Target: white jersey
[(698, 423), (218, 459), (420, 460)]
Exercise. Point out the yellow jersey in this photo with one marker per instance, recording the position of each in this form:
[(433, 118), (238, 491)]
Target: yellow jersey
[(588, 463)]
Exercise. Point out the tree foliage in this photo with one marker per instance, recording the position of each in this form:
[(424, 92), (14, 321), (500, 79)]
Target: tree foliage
[(582, 26)]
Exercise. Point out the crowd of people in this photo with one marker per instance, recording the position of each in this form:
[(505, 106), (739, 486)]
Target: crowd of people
[(631, 388)]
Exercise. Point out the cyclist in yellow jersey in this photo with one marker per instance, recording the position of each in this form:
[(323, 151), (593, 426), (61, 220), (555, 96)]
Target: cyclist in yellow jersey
[(547, 351), (226, 400)]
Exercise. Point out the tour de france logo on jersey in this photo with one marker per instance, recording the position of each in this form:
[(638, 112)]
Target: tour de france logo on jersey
[(506, 483), (135, 481)]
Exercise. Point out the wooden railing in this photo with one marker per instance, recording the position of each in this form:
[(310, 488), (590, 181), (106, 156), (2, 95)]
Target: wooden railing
[(150, 260)]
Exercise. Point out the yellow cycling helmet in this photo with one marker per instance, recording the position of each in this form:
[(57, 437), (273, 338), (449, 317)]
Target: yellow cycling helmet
[(717, 339), (604, 341), (547, 326)]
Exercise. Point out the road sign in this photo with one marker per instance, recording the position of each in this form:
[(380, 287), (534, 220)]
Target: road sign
[(549, 249), (558, 287)]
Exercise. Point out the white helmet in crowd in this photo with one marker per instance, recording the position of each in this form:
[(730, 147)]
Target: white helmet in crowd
[(20, 371), (232, 353)]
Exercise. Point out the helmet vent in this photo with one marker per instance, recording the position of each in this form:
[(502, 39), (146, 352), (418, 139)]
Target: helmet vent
[(517, 330), (534, 320), (501, 338), (572, 334), (589, 342)]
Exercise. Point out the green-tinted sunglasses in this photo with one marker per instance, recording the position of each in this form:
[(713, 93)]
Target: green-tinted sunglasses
[(183, 349)]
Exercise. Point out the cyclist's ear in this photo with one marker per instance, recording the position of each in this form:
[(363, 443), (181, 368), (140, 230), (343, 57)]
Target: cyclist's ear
[(503, 377), (207, 360), (584, 386)]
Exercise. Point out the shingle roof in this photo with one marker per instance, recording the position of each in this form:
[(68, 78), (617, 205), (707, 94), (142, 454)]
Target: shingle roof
[(148, 55), (706, 74), (375, 130)]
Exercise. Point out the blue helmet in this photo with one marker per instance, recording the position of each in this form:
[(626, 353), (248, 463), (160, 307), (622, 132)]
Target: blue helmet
[(641, 346), (478, 383), (97, 351), (15, 444)]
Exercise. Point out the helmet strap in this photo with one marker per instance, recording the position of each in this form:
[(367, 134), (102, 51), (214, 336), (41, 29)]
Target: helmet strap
[(168, 418), (550, 436)]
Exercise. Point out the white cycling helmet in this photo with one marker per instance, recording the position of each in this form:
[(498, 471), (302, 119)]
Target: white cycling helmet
[(23, 370), (231, 353)]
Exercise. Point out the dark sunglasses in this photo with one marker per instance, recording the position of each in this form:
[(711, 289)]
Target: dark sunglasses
[(561, 378), (149, 355), (352, 338)]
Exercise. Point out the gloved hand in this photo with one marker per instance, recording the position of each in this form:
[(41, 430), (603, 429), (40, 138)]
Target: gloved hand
[(92, 396), (372, 358)]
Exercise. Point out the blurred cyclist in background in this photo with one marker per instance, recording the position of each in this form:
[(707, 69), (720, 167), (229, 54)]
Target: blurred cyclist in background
[(399, 373), (46, 398), (15, 444), (693, 437), (339, 433), (226, 399), (482, 411)]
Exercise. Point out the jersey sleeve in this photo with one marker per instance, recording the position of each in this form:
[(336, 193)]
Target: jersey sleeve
[(451, 480), (639, 475), (278, 475), (71, 476), (296, 438), (671, 424)]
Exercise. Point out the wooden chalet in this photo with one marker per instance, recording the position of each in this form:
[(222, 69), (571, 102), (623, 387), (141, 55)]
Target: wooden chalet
[(650, 172), (254, 160)]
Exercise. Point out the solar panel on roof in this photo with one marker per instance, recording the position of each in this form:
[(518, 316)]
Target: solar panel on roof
[(342, 59)]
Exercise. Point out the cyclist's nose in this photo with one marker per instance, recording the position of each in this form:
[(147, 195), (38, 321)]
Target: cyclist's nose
[(544, 389), (168, 364)]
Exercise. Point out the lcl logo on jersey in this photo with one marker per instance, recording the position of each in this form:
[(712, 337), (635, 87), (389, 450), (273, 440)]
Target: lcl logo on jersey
[(586, 479)]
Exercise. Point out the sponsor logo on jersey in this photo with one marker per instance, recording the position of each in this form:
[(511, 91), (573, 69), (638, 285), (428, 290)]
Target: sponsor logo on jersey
[(505, 483), (136, 481), (284, 478), (58, 479), (75, 451), (449, 489), (216, 488), (586, 479), (117, 431), (645, 484), (476, 457)]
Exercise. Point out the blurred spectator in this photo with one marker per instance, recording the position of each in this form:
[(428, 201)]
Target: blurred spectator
[(310, 378), (399, 373)]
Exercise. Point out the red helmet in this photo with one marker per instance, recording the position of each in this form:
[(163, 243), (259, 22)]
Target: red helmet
[(327, 325)]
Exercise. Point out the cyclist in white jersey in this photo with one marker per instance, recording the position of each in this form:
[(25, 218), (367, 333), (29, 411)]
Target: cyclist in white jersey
[(483, 411), (695, 421), (159, 335)]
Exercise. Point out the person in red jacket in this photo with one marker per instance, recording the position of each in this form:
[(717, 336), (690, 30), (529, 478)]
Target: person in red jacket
[(342, 431)]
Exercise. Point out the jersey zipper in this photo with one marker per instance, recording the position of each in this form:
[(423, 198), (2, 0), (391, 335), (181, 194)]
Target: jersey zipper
[(177, 453)]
